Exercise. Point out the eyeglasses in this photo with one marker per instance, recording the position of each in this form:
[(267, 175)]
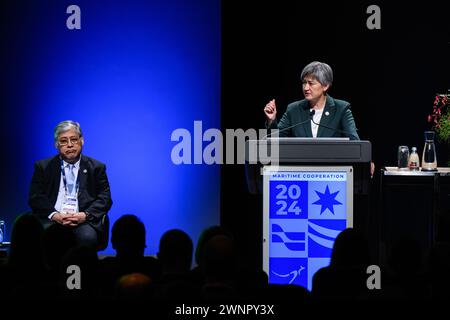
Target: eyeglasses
[(65, 142)]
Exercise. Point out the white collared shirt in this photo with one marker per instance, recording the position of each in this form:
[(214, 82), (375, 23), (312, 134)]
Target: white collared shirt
[(62, 190), (316, 117)]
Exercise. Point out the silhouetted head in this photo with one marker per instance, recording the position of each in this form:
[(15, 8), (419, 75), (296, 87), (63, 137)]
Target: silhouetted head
[(133, 286), (219, 258), (26, 242), (350, 249), (205, 236), (128, 236), (57, 240), (175, 251)]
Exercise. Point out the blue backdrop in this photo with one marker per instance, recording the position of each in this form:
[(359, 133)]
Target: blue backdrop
[(136, 71)]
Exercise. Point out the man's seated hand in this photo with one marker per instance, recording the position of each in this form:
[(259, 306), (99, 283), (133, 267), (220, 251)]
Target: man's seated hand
[(69, 219)]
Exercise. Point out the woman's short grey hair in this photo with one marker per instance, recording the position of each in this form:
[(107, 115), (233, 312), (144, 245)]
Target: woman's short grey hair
[(64, 126), (322, 72)]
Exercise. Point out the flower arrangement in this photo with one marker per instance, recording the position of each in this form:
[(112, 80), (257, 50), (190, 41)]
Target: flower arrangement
[(440, 118)]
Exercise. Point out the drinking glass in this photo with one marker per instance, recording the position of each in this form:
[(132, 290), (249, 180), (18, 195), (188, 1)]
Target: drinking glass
[(403, 156)]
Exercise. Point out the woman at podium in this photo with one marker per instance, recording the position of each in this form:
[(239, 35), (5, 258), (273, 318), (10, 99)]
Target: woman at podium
[(318, 115)]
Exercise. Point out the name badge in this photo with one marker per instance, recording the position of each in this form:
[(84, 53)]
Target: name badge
[(69, 204)]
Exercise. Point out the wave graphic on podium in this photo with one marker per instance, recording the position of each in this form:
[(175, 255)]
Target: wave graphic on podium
[(294, 241), (321, 236)]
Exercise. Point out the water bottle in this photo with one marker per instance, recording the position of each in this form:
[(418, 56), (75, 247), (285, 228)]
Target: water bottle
[(2, 231), (414, 162), (429, 162)]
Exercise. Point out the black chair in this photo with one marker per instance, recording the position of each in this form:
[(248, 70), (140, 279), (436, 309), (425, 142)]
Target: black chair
[(103, 237)]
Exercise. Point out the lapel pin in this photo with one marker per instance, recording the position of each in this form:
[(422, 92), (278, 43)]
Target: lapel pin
[(84, 171), (327, 113)]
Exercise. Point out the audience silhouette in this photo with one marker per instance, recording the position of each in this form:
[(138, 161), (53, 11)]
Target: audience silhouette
[(24, 274), (175, 255), (39, 261), (128, 239), (345, 277)]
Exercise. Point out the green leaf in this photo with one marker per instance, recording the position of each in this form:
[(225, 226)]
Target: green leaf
[(443, 132)]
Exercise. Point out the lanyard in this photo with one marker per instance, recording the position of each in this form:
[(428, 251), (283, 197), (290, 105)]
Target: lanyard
[(77, 184)]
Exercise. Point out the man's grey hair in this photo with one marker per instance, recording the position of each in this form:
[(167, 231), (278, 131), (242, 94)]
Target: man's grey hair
[(64, 126), (321, 71)]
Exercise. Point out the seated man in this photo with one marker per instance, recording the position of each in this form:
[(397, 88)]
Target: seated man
[(71, 189)]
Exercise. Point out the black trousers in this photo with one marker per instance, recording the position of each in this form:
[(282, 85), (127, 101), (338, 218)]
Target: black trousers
[(84, 233)]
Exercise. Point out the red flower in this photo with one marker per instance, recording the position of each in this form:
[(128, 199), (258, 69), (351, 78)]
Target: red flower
[(440, 101)]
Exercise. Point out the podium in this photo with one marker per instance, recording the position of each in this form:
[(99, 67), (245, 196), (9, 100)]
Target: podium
[(309, 188)]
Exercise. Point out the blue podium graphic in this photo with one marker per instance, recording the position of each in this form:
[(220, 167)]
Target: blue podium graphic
[(305, 208)]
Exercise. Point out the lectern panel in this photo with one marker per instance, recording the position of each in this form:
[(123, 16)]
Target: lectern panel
[(305, 208)]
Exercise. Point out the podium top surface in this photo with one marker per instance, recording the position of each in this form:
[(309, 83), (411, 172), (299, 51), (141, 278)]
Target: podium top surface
[(310, 150), (301, 139)]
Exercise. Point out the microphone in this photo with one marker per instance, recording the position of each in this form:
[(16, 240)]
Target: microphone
[(311, 114)]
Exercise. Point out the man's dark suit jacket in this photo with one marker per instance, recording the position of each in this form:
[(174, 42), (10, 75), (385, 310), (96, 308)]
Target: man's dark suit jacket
[(94, 195), (339, 120)]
